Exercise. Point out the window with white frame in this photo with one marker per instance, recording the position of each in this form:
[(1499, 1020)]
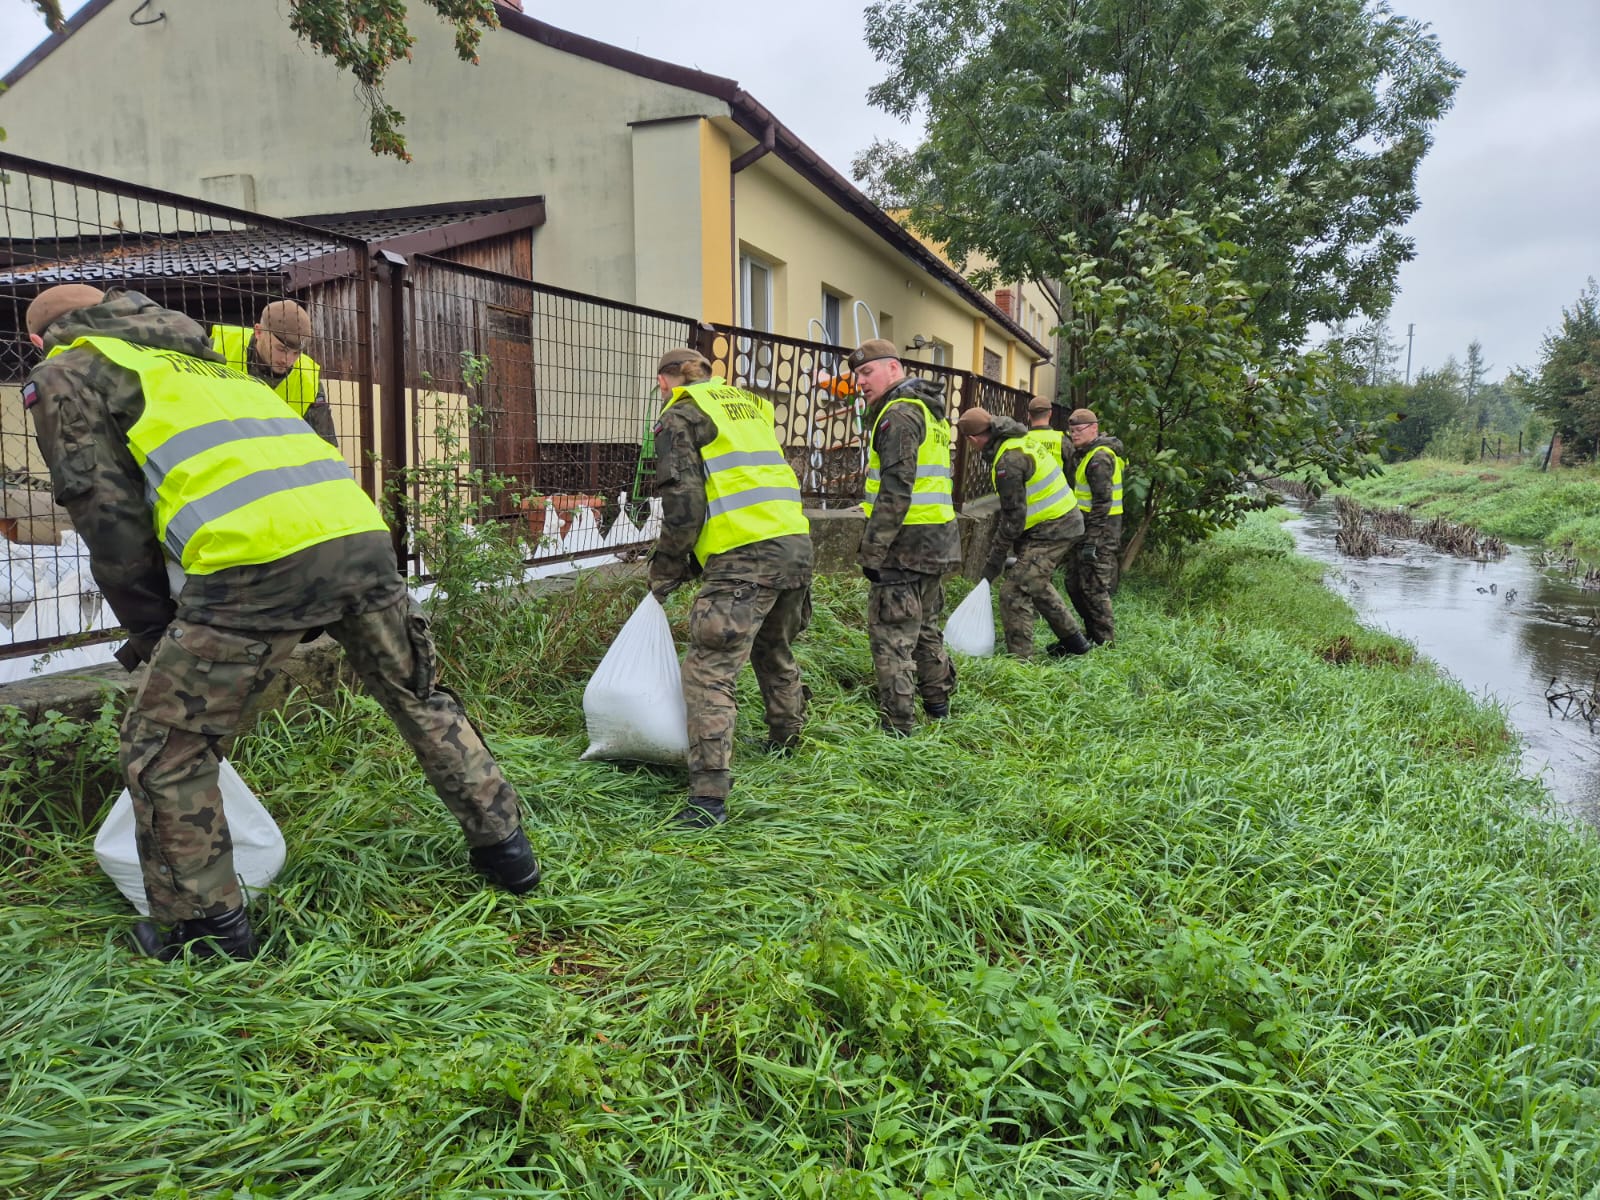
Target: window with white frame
[(832, 317), (755, 293)]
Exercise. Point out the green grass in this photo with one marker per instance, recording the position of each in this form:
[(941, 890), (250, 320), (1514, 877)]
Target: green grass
[(1207, 914), (1557, 508)]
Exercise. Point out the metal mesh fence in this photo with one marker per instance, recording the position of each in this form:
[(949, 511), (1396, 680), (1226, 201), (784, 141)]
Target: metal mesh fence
[(539, 400), (519, 403), (218, 266), (820, 417)]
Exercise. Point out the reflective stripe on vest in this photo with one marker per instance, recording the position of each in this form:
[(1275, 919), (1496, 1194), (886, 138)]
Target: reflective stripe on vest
[(1049, 495), (1086, 493), (931, 500), (297, 389), (752, 494), (234, 477)]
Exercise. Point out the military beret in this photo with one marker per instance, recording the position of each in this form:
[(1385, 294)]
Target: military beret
[(871, 350), (1038, 406), (675, 358), (975, 422), (1082, 416), (288, 322), (56, 302)]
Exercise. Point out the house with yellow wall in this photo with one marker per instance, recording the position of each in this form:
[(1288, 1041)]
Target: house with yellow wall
[(663, 186)]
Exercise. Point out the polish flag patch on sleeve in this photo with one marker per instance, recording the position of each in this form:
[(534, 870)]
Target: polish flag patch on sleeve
[(30, 395)]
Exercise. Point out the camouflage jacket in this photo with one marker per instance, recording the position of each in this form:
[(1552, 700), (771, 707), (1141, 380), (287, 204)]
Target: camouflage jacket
[(1011, 475), (83, 406), (319, 416), (888, 545), (682, 432), (1098, 475)]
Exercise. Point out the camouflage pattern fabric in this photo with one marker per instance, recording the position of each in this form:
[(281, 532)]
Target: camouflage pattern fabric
[(83, 407), (754, 601), (1090, 585), (683, 431), (1029, 588), (733, 621), (202, 681), (887, 543), (908, 654)]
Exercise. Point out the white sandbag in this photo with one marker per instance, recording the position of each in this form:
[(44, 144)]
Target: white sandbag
[(634, 702), (970, 629), (258, 849)]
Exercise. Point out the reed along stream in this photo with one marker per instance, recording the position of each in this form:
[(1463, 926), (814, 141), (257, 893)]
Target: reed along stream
[(1503, 629)]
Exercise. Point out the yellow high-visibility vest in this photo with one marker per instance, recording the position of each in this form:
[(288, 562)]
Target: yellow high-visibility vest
[(1049, 440), (236, 477), (1086, 494), (1049, 494), (298, 388), (931, 500), (752, 494)]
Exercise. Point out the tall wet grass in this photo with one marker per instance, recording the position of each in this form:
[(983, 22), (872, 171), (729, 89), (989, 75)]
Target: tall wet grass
[(1560, 508), (1206, 914)]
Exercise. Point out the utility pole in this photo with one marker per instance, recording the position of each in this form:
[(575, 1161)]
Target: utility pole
[(1411, 332)]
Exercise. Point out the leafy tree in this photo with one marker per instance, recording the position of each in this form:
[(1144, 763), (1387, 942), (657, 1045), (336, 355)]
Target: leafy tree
[(1178, 370), (1565, 386), (1048, 117), (1474, 374), (366, 38), (1434, 403)]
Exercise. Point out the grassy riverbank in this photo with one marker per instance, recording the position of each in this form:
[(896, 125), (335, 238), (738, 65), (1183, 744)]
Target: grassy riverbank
[(1521, 502), (1246, 906)]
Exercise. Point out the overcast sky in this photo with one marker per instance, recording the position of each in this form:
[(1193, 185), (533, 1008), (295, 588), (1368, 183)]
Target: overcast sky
[(1510, 222)]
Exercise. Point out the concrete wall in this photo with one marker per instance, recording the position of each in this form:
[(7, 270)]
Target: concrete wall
[(223, 88)]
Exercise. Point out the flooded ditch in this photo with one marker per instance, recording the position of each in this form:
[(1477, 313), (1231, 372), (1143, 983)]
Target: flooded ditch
[(1504, 629)]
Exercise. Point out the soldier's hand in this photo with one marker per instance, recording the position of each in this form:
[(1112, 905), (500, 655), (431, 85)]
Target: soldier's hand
[(1087, 552), (992, 572), (871, 574)]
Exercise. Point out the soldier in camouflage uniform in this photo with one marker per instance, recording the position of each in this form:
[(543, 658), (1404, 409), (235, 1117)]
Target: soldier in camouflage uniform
[(274, 352), (1092, 568), (214, 646), (1028, 475), (715, 446), (905, 561)]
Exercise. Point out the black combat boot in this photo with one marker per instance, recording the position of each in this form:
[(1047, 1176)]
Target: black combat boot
[(702, 812), (229, 934), (940, 709), (510, 863), (1075, 644)]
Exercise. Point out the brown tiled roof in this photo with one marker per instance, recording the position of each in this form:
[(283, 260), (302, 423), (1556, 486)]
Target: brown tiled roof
[(310, 252)]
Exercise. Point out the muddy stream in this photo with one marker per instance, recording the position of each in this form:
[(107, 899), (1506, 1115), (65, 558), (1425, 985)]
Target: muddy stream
[(1502, 629)]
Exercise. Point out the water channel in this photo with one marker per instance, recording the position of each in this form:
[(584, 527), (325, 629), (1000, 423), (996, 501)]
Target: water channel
[(1502, 629)]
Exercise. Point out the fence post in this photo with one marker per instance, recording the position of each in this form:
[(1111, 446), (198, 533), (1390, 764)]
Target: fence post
[(392, 362), (367, 366), (958, 464)]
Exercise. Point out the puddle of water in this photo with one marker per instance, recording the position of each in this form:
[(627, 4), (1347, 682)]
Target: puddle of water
[(1502, 629)]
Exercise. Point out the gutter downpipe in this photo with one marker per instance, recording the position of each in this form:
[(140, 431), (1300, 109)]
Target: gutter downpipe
[(768, 143)]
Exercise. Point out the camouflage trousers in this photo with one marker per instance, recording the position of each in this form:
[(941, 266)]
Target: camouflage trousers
[(1028, 588), (1090, 585), (730, 623), (907, 644), (202, 681)]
